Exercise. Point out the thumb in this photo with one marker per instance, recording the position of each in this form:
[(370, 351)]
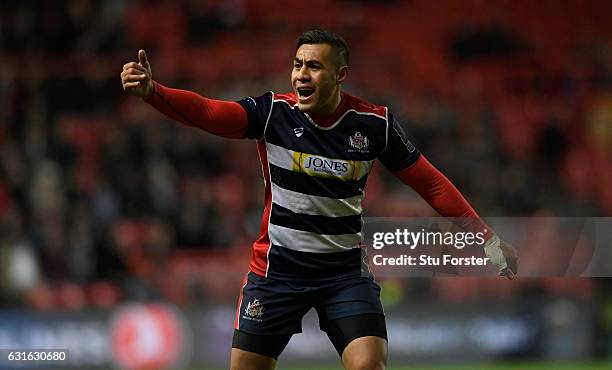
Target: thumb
[(142, 59)]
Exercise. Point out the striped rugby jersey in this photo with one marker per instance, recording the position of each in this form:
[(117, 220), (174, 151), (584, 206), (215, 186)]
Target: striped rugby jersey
[(315, 179)]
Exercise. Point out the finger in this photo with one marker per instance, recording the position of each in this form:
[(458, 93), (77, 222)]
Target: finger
[(513, 266), (507, 273), (134, 71), (142, 58), (130, 84), (131, 77), (126, 74), (134, 65)]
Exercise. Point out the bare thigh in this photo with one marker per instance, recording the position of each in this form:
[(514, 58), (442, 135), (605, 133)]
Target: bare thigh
[(244, 360)]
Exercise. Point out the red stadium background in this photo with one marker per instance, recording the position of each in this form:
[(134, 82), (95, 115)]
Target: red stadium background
[(103, 201)]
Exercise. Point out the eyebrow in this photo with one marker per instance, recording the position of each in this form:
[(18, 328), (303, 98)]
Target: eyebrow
[(309, 63)]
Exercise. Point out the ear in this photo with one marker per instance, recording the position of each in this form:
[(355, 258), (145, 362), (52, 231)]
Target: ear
[(342, 74)]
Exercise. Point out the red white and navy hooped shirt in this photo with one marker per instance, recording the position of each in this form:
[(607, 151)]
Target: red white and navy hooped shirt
[(315, 177)]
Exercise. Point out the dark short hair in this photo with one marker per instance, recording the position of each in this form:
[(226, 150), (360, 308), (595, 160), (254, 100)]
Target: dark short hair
[(325, 37)]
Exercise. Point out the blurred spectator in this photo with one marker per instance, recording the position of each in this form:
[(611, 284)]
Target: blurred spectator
[(98, 193)]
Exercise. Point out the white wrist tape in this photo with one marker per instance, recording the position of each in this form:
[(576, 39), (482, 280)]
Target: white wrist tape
[(494, 253)]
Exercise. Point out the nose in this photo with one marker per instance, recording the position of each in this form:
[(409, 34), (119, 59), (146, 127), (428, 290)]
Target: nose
[(303, 74)]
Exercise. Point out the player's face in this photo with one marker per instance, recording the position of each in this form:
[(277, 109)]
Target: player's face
[(316, 78)]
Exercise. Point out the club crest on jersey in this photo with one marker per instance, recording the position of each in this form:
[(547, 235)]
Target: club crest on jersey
[(358, 143), (254, 310)]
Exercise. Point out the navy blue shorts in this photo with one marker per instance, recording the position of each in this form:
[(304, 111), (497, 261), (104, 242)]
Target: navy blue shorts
[(276, 307)]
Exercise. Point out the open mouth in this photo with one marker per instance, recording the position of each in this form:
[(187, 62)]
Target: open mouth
[(305, 92)]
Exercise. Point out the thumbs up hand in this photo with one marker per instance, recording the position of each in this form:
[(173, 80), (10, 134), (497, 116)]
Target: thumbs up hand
[(137, 78)]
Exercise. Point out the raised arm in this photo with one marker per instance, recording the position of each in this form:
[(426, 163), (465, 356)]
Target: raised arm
[(222, 118), (443, 196), (412, 168)]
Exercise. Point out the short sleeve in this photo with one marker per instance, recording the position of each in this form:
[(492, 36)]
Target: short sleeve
[(258, 112), (399, 152)]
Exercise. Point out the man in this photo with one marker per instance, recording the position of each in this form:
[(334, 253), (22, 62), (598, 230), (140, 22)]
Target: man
[(317, 146)]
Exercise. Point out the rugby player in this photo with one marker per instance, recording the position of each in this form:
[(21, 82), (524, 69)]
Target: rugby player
[(317, 145)]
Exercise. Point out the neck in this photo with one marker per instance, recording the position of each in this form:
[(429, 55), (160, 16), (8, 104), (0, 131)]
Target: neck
[(328, 119), (335, 100)]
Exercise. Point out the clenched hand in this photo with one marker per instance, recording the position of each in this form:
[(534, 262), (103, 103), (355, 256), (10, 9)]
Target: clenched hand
[(137, 78)]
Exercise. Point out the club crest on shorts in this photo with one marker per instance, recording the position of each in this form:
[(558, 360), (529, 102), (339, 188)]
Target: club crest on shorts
[(358, 142), (254, 310), (298, 131)]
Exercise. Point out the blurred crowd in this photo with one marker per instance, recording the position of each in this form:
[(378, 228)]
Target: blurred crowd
[(103, 199)]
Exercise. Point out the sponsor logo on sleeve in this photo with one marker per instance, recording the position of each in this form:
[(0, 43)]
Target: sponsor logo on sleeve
[(402, 135), (299, 131)]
